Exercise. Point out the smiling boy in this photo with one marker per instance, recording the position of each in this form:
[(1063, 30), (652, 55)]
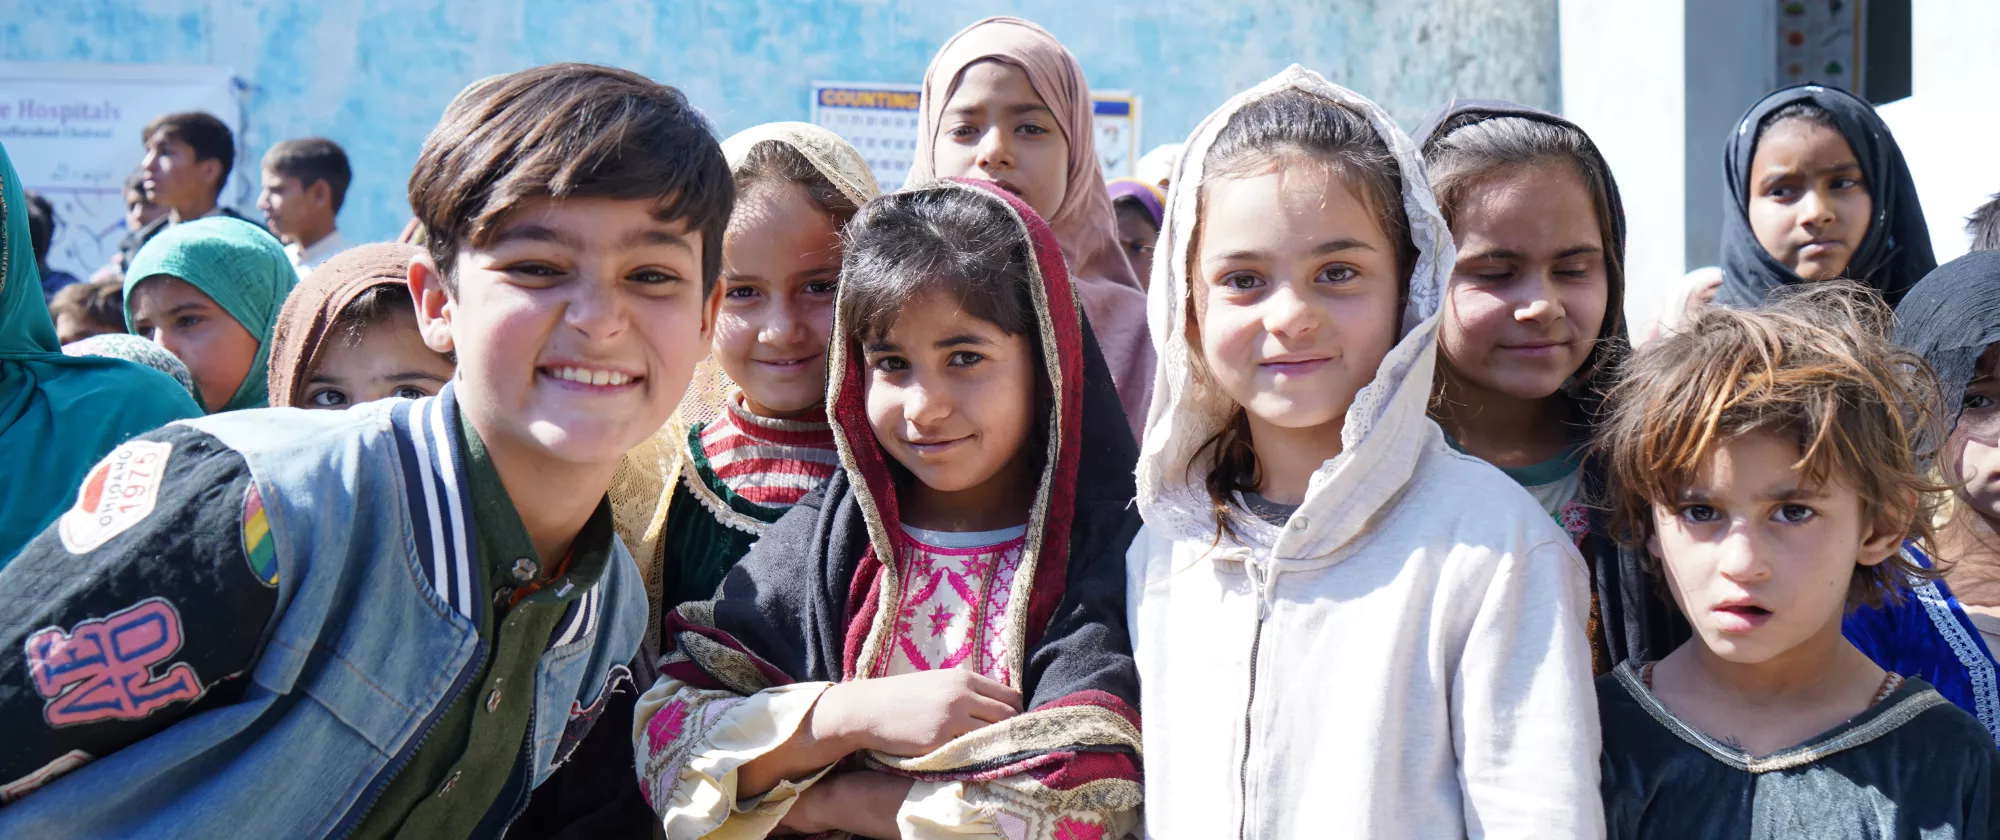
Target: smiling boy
[(420, 602)]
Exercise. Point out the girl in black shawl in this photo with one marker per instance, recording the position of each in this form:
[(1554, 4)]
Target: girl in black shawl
[(892, 658), (1816, 188), (1533, 328)]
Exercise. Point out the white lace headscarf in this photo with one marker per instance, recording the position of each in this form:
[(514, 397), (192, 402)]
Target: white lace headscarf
[(1385, 427)]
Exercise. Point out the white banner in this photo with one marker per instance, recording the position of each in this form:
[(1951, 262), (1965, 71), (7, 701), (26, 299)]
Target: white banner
[(880, 119), (72, 131)]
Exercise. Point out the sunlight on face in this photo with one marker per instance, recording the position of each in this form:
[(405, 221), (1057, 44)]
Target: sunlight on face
[(217, 350), (780, 272), (1808, 204), (388, 359), (995, 127)]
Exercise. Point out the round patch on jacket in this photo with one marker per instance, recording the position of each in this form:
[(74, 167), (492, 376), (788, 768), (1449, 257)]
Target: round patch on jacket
[(258, 547), (118, 493)]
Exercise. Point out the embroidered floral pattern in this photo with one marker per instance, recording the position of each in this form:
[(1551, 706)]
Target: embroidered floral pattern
[(954, 609), (1575, 519), (670, 741)]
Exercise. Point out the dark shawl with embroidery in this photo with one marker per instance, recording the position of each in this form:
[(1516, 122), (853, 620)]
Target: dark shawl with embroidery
[(814, 599), (1895, 253), (1635, 615)]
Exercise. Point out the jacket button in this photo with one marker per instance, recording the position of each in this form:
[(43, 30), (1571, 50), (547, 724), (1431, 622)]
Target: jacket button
[(493, 701), (1299, 523), (450, 782), (525, 569)]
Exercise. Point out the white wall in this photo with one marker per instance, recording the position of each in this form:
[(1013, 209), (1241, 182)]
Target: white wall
[(1949, 127), (1623, 82)]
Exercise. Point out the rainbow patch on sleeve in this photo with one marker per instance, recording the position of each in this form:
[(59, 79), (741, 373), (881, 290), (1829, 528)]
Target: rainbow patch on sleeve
[(258, 547)]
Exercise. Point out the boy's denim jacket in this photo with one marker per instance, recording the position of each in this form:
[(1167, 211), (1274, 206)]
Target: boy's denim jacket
[(372, 640)]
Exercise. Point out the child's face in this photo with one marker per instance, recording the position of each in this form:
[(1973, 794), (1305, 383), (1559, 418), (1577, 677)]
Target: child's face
[(774, 306), (173, 177), (217, 350), (1808, 204), (289, 207), (1760, 561), (1974, 446), (576, 326), (950, 397), (996, 128), (1528, 293), (140, 212), (1295, 290), (388, 359), (1137, 237)]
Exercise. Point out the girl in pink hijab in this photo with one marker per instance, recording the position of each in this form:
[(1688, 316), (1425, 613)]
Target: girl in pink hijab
[(1003, 101)]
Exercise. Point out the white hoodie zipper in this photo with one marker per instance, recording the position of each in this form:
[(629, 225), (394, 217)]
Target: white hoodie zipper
[(1260, 587)]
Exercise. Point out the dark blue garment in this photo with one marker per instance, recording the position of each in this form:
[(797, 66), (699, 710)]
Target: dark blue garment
[(1929, 636), (53, 281)]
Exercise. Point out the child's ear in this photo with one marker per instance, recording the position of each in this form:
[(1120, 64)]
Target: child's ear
[(710, 310), (212, 170), (321, 193), (1883, 540), (434, 305)]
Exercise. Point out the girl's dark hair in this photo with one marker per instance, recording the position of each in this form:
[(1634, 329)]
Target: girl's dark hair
[(1804, 109), (1280, 130), (903, 245), (373, 306), (775, 162), (1469, 150)]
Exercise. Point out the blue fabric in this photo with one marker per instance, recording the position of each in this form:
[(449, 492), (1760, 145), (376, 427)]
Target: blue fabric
[(375, 636), (1929, 636)]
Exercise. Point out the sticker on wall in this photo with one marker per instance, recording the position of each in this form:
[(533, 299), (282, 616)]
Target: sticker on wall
[(880, 119), (1819, 42)]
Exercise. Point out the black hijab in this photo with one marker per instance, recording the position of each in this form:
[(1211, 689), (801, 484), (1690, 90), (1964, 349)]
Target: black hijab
[(1896, 251), (1950, 318)]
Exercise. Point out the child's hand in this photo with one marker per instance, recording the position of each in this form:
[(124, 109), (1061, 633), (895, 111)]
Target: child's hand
[(912, 714), (863, 804)]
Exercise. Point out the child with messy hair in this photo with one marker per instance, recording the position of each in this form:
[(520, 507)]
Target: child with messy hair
[(1763, 459)]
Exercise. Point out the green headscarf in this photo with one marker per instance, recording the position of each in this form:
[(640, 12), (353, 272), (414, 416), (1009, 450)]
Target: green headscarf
[(242, 268), (58, 414)]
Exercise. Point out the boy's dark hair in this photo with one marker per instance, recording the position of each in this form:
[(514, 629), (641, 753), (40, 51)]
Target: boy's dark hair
[(207, 136), (1984, 225), (1286, 126), (774, 162), (1804, 109), (1816, 365), (1471, 149), (312, 159), (568, 131), (903, 245), (99, 302), (41, 225)]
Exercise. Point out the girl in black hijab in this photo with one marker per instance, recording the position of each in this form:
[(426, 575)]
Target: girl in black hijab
[(1817, 188)]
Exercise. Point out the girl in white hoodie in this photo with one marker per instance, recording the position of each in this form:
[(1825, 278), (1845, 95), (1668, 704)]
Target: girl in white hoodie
[(1343, 627)]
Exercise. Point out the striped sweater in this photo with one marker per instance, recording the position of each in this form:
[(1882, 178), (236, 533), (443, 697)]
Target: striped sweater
[(769, 463)]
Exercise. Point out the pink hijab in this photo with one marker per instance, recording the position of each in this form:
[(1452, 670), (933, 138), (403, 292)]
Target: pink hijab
[(1084, 225)]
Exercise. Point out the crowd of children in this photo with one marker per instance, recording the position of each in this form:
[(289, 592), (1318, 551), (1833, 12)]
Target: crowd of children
[(690, 488)]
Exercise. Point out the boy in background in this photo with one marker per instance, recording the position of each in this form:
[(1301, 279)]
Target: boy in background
[(188, 159), (305, 181)]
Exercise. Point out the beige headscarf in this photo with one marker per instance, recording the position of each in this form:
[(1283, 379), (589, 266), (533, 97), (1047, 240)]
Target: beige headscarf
[(1084, 224), (644, 484), (313, 307)]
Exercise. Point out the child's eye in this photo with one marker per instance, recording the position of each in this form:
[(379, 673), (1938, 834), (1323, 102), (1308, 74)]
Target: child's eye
[(1700, 513), (535, 269), (741, 292), (1242, 281), (1033, 129), (187, 321), (1975, 402), (409, 392), (1780, 192), (652, 277), (1338, 274), (1794, 514), (1845, 183), (891, 364), (327, 397), (963, 131), (964, 358), (823, 287)]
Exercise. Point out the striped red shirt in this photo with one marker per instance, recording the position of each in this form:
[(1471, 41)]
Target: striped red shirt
[(769, 462)]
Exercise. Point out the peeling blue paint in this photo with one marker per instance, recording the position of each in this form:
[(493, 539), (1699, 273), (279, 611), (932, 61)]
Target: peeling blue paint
[(374, 74)]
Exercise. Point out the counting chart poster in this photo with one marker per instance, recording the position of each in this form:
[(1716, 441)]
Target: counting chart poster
[(880, 120)]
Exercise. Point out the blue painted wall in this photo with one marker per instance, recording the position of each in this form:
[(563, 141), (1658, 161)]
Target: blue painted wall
[(374, 74)]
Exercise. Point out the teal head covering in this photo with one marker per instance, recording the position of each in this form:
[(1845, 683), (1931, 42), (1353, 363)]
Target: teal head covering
[(242, 268), (58, 414)]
